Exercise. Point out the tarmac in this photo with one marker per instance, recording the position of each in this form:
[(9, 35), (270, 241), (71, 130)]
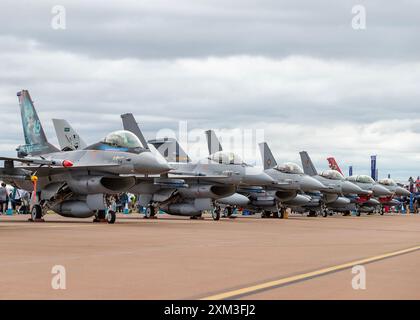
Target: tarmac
[(178, 258)]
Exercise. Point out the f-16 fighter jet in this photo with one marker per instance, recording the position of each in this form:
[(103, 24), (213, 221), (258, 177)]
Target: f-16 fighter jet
[(336, 194), (208, 181), (286, 191), (75, 183)]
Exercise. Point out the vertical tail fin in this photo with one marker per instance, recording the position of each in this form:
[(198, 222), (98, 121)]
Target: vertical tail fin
[(308, 166), (170, 149), (213, 142), (35, 139), (130, 124), (68, 138), (267, 156), (334, 165)]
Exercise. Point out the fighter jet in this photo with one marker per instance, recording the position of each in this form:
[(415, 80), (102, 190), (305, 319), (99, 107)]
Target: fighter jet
[(335, 195), (288, 190), (169, 193), (75, 183), (383, 191), (273, 199), (208, 180)]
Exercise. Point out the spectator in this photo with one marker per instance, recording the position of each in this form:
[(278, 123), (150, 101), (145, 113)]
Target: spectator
[(3, 198)]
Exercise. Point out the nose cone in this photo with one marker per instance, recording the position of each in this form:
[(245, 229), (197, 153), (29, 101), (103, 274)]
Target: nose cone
[(309, 184), (350, 188), (148, 163), (258, 178), (401, 192), (380, 191)]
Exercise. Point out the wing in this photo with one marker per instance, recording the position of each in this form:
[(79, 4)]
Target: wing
[(51, 170)]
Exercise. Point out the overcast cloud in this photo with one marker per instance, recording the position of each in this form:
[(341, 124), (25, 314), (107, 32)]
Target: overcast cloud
[(296, 69)]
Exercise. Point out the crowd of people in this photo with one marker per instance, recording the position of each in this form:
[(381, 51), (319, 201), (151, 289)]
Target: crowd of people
[(15, 199)]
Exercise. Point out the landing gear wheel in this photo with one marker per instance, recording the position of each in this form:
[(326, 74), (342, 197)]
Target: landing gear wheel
[(324, 213), (358, 213), (266, 214), (312, 213), (227, 212), (216, 214), (282, 213), (99, 216), (111, 217), (150, 212), (36, 212), (276, 214)]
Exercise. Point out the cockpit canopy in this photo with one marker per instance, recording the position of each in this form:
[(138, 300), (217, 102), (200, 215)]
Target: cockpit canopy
[(361, 178), (122, 139), (289, 167), (387, 182), (223, 157), (332, 175)]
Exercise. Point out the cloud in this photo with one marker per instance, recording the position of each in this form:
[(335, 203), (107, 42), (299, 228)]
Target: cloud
[(162, 29), (296, 70)]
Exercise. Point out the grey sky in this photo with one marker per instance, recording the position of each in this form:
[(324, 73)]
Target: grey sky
[(294, 68)]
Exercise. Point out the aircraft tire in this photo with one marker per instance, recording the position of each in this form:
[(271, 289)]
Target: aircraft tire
[(36, 212), (111, 217), (358, 213), (324, 213), (216, 214), (266, 214), (150, 212)]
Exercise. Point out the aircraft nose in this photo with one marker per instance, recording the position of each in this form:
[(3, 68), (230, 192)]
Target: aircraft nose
[(401, 192), (148, 163), (311, 184), (380, 191), (350, 188)]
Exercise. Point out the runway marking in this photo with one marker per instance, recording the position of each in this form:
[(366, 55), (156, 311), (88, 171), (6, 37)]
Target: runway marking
[(305, 276)]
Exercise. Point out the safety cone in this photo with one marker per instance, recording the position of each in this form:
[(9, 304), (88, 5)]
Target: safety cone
[(9, 210), (126, 211)]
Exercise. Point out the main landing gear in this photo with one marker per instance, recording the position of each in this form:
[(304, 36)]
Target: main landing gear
[(151, 211), (36, 213), (228, 212), (111, 217), (279, 214), (216, 213), (103, 216)]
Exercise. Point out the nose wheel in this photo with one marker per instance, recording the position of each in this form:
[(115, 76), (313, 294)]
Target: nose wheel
[(36, 213)]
